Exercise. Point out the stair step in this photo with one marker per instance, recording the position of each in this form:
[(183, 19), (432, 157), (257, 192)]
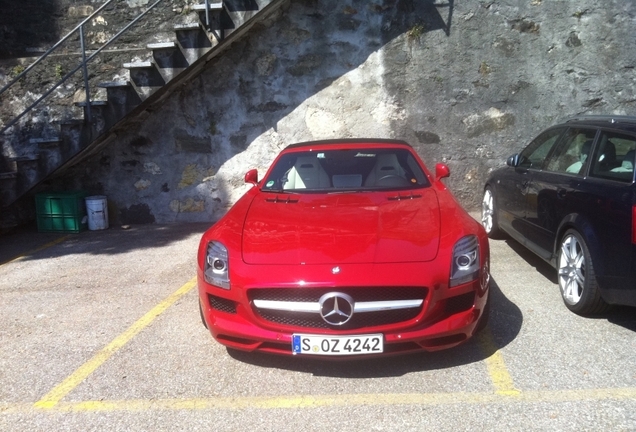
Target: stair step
[(217, 6), (46, 142), (138, 65), (121, 95), (162, 45), (113, 84), (145, 77), (187, 27), (93, 103), (29, 158), (194, 40), (70, 122), (8, 175)]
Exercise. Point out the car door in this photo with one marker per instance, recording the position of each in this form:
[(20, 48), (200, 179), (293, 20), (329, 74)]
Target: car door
[(512, 186), (606, 198), (551, 192)]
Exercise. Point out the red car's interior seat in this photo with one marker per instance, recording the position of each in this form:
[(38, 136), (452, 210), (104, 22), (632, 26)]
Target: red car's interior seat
[(307, 174), (385, 165)]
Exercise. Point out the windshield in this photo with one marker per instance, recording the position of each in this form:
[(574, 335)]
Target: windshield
[(350, 169)]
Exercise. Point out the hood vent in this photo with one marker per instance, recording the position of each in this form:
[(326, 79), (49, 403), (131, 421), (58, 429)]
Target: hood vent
[(287, 200), (404, 197)]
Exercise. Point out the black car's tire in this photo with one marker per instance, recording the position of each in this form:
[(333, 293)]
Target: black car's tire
[(577, 279), (201, 314), (489, 214)]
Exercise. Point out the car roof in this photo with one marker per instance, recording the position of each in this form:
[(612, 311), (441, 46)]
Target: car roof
[(349, 142), (627, 123)]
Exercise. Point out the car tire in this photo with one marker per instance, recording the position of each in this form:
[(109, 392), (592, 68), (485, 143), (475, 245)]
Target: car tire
[(577, 279), (201, 315), (489, 214)]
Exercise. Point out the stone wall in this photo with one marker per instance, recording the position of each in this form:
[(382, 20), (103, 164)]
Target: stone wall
[(465, 82)]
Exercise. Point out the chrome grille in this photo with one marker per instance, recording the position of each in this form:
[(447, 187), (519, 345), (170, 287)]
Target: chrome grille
[(359, 294)]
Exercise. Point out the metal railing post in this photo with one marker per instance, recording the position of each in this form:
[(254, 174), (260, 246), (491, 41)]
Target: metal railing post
[(207, 14), (85, 72)]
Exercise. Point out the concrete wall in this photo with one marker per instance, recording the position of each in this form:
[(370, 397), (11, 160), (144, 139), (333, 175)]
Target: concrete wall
[(465, 82)]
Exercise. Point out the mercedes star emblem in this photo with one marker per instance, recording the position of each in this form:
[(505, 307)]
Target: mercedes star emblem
[(336, 308)]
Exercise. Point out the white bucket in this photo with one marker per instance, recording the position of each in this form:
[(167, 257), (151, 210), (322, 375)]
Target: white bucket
[(97, 211)]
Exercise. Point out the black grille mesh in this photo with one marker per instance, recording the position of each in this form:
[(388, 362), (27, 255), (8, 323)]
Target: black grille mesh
[(359, 320), (222, 304), (460, 303)]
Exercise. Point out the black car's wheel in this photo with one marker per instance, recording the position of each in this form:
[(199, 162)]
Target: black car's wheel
[(489, 214), (577, 279), (201, 314)]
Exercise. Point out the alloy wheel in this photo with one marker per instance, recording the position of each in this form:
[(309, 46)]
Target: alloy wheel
[(571, 269), (487, 211)]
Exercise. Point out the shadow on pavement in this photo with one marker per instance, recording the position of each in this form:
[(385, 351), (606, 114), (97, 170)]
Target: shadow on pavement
[(623, 316), (545, 269), (28, 244)]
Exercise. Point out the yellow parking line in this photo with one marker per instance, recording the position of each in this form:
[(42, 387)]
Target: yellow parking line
[(52, 398), (348, 400), (501, 379), (47, 245)]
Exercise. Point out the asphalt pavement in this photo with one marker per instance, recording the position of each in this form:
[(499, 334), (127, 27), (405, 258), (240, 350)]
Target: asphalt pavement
[(100, 331)]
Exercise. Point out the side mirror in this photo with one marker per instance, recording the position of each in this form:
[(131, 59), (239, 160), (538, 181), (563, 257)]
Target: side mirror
[(251, 177), (513, 160), (441, 171)]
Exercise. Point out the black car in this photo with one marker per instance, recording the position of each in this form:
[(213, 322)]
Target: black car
[(570, 198)]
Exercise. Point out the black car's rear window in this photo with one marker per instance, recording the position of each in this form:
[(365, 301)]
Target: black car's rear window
[(341, 170)]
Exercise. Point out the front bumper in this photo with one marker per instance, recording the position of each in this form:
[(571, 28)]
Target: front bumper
[(448, 317)]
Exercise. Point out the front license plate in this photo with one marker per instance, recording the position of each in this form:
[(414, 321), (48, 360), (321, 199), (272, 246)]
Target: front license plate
[(337, 345)]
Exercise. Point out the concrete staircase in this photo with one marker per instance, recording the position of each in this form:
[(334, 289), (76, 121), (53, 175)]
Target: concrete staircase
[(168, 64)]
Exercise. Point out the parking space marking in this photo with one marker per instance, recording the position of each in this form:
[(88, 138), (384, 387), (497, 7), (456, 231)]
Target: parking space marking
[(52, 398), (501, 379), (317, 401), (45, 246), (504, 393)]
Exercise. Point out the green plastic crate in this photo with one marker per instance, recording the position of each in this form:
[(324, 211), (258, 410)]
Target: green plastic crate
[(60, 203), (72, 224), (61, 211)]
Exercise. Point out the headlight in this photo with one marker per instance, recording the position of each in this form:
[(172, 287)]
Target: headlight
[(216, 268), (465, 265)]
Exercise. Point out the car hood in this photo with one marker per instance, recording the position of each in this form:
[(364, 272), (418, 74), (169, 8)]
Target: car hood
[(374, 227)]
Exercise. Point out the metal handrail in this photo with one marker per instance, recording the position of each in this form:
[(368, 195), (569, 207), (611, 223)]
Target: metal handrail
[(82, 65), (54, 47)]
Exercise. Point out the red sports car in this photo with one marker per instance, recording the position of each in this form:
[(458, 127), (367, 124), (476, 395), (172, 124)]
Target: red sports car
[(346, 247)]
